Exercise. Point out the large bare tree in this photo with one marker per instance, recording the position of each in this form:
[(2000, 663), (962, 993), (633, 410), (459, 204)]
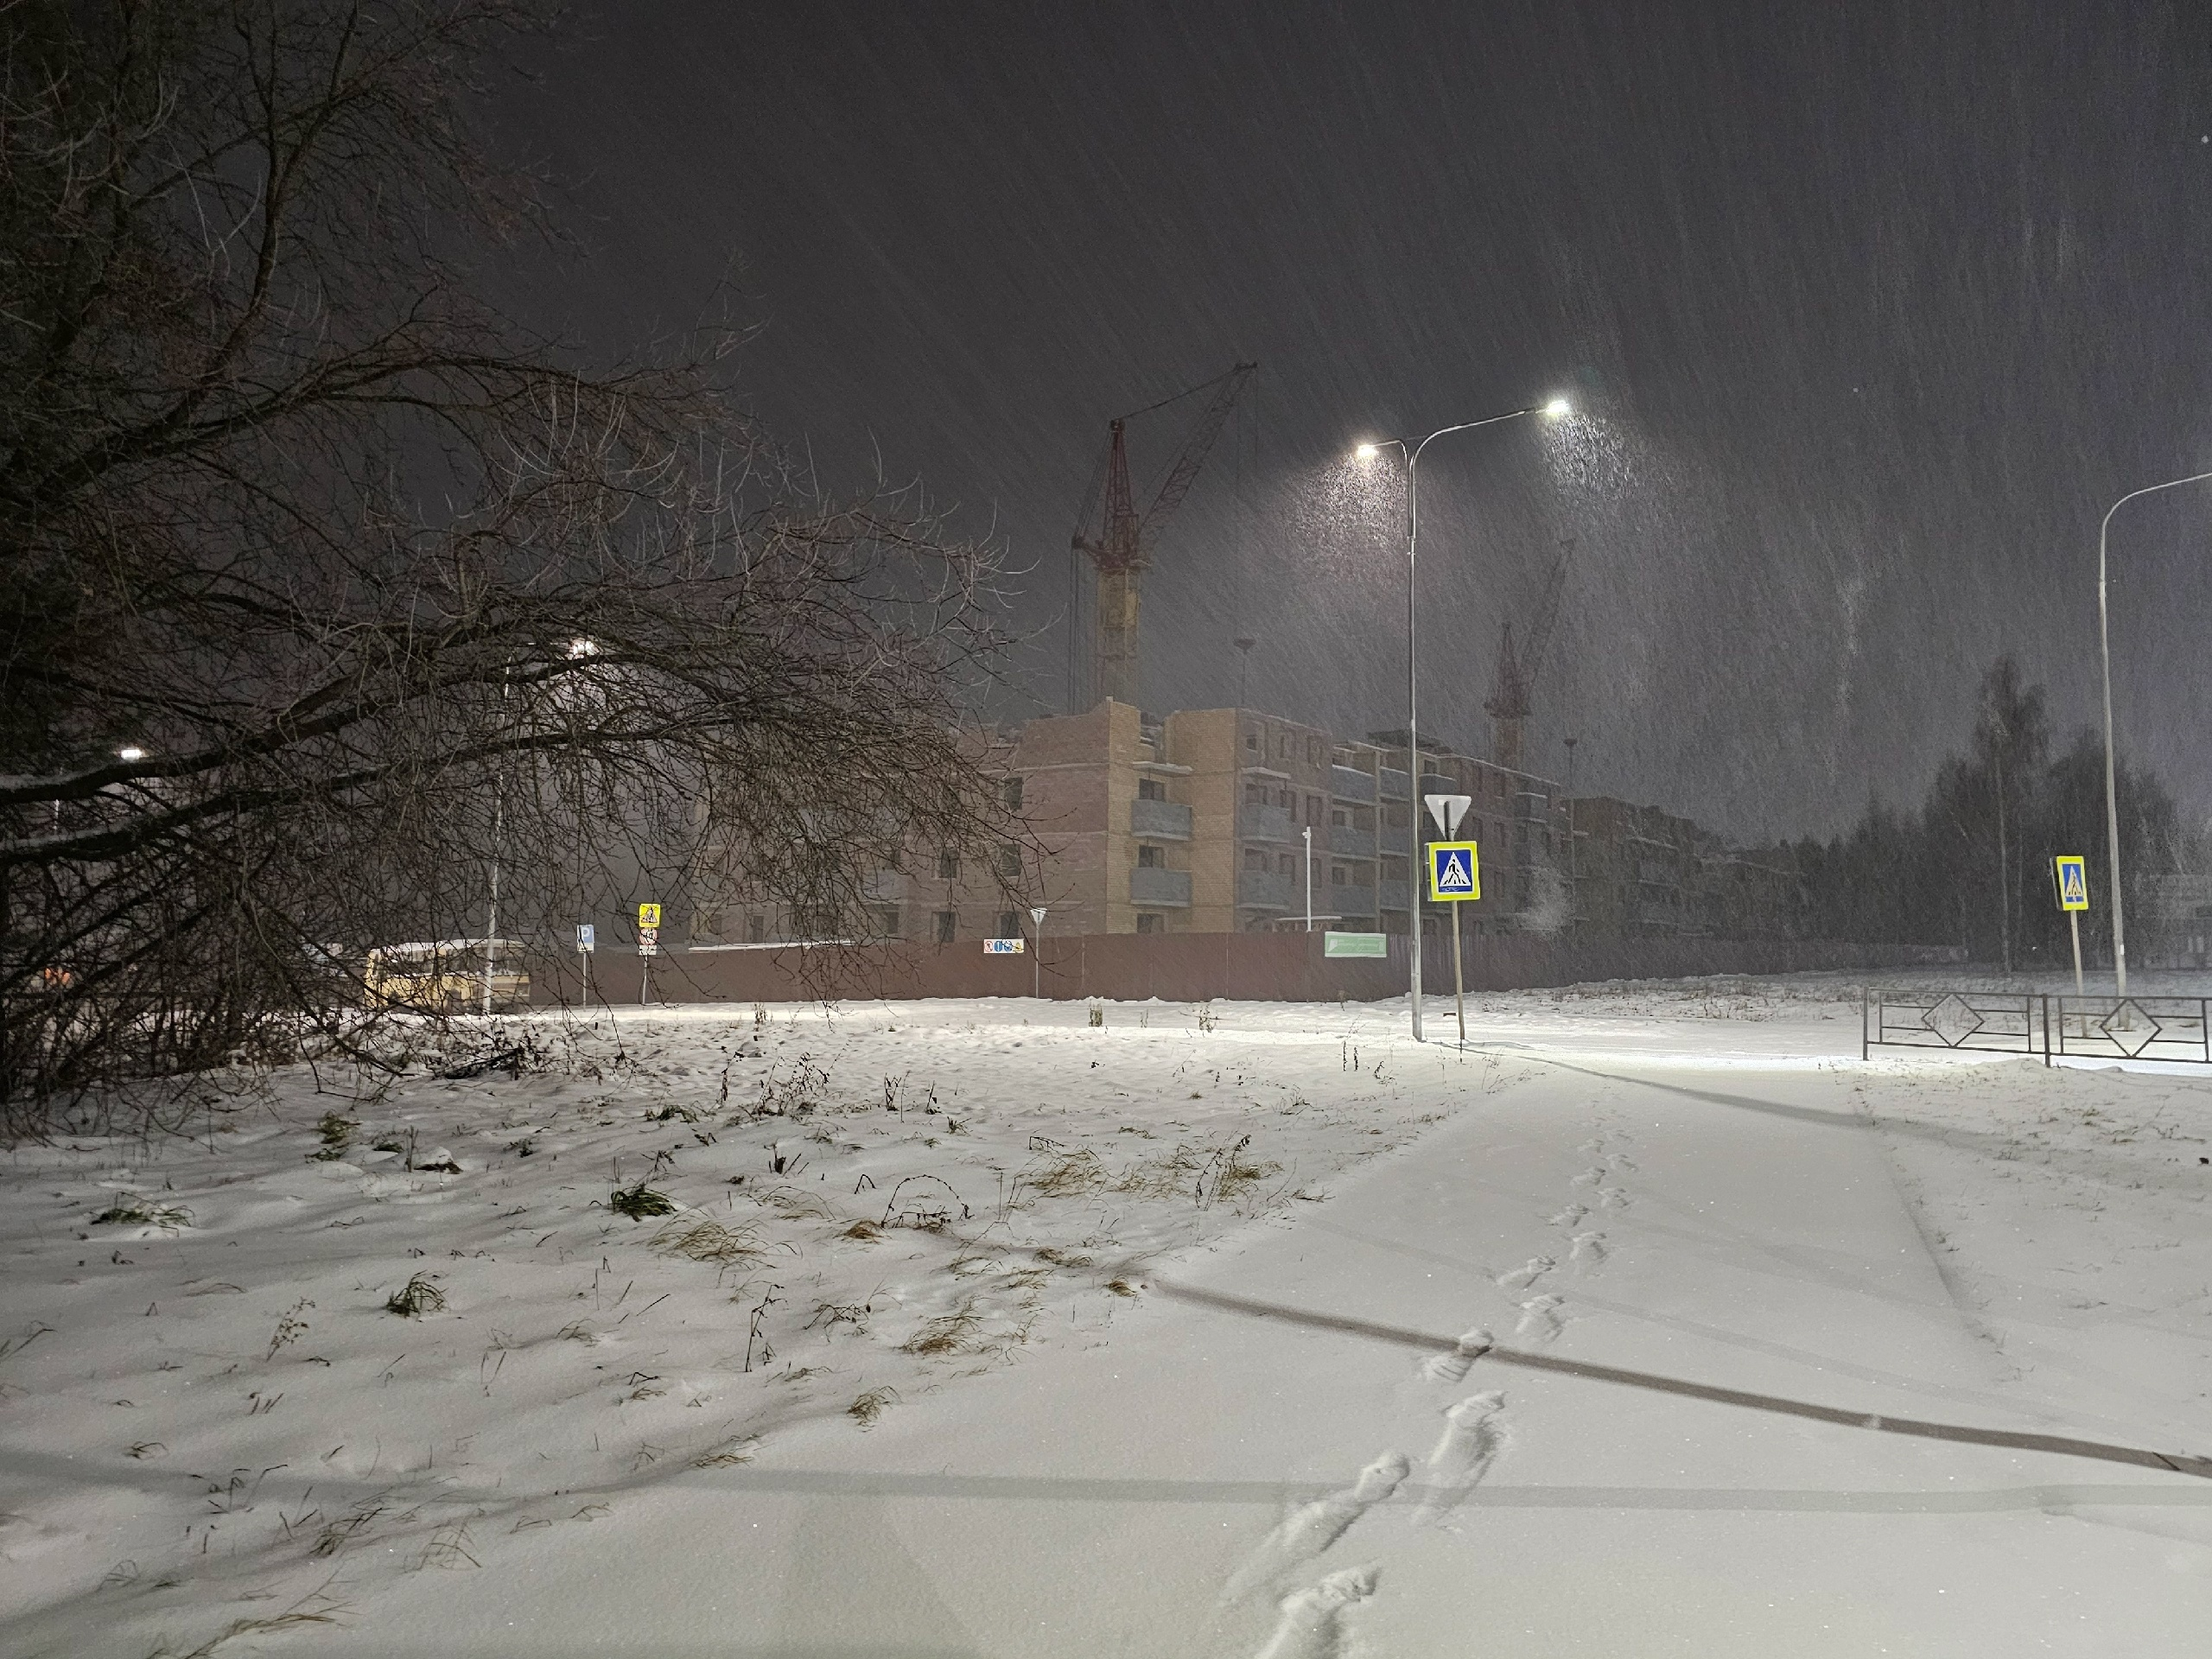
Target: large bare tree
[(328, 593)]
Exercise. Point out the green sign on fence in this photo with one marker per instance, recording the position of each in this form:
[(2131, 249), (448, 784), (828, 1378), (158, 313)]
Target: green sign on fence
[(1354, 944)]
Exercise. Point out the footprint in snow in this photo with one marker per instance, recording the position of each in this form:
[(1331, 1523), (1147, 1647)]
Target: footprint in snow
[(1613, 1197), (1540, 1322), (1589, 1251), (1622, 1160), (1589, 1177), (1522, 1277), (1568, 1217), (1311, 1626), (1453, 1367), (1471, 1441), (1312, 1527)]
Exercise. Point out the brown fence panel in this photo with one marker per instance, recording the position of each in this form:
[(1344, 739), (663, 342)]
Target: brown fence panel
[(1178, 968)]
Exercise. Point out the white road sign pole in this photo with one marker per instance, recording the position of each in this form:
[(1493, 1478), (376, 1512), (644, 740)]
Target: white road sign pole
[(1447, 811), (1037, 959), (1309, 878), (2069, 874)]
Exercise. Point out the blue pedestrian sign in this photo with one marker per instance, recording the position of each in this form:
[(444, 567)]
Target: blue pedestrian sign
[(2070, 870), (1454, 872)]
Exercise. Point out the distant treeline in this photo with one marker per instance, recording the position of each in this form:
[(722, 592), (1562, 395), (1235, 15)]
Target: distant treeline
[(1972, 866)]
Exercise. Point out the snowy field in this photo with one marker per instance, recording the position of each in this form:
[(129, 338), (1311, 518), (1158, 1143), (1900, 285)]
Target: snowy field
[(882, 1329)]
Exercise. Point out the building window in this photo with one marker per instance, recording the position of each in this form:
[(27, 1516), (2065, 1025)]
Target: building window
[(1339, 818), (1312, 750), (948, 924), (756, 929), (1286, 864), (1151, 922), (948, 865), (1252, 741), (1283, 748), (1254, 859), (1009, 925), (707, 924), (1151, 789), (1009, 861), (1255, 795), (1313, 809), (1287, 799), (1010, 792), (1340, 875), (1151, 858), (887, 922)]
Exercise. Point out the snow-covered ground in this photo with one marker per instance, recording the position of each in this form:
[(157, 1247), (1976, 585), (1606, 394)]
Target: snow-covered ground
[(909, 1365)]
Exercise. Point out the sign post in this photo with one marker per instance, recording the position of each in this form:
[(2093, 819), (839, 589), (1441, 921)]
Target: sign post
[(1455, 877), (1309, 878), (648, 948), (587, 942), (1037, 961), (2069, 874)]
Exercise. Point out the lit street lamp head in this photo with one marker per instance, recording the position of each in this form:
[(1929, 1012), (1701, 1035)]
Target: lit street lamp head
[(1367, 452), (1559, 407), (130, 752)]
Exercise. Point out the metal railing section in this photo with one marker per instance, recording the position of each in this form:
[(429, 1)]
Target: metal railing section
[(2173, 1028)]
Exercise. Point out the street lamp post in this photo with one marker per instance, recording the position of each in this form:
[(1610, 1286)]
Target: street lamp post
[(2112, 798), (1556, 408)]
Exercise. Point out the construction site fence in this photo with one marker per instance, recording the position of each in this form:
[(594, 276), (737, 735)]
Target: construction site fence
[(2115, 1027), (1173, 967)]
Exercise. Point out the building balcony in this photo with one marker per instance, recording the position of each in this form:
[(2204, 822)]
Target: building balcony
[(1391, 895), (1351, 843), (885, 886), (1350, 784), (1266, 890), (1159, 889), (1159, 820), (1265, 823), (1394, 784)]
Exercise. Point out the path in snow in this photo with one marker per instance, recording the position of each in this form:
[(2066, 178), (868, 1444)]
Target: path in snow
[(1758, 1236)]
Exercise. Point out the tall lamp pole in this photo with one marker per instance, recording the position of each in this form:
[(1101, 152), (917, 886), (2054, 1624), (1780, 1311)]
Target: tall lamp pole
[(2112, 798), (1411, 451)]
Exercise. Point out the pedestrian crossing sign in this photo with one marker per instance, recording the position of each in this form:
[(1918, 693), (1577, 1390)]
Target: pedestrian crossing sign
[(1454, 872), (2071, 872)]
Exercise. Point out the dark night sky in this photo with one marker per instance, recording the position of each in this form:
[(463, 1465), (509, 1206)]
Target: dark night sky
[(1873, 309)]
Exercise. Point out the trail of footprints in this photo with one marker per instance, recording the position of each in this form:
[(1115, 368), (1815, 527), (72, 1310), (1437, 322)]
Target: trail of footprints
[(1310, 1622)]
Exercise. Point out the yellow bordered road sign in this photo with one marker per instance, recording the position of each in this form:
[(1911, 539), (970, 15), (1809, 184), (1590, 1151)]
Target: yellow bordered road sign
[(2071, 873), (1454, 872), (648, 915)]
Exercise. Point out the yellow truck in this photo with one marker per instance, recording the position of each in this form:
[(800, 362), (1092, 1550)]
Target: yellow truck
[(448, 976)]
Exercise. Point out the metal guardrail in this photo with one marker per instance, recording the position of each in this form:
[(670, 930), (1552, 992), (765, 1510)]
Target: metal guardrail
[(2129, 1027), (2176, 1028)]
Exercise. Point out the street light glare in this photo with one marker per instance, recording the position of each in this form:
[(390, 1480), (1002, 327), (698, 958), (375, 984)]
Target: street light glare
[(1367, 452), (130, 752), (1558, 408)]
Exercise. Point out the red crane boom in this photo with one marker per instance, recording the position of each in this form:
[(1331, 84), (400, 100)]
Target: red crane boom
[(1122, 547)]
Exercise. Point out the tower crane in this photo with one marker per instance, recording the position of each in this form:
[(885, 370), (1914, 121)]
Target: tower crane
[(1518, 670), (1120, 541)]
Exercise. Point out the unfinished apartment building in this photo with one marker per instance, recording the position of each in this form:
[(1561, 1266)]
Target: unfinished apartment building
[(1208, 821)]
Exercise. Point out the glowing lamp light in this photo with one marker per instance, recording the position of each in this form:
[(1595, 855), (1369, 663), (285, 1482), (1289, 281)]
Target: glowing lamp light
[(1367, 452), (130, 752), (1559, 407), (583, 648)]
